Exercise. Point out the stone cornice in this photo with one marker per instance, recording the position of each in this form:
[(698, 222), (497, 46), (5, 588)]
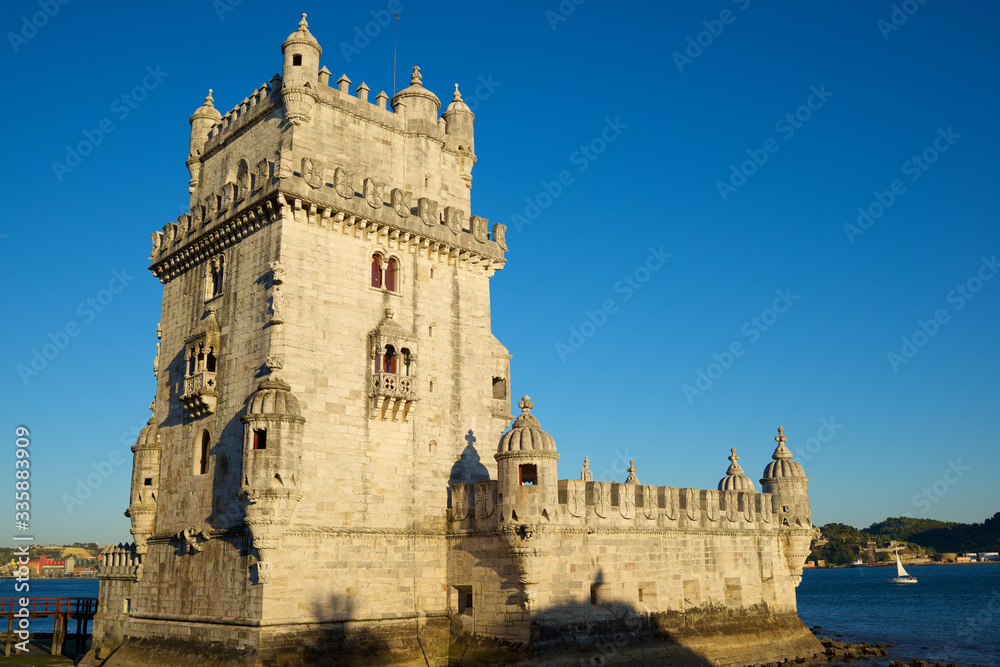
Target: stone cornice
[(183, 246)]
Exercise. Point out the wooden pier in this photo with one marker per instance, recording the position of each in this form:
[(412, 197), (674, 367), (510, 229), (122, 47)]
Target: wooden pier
[(61, 610)]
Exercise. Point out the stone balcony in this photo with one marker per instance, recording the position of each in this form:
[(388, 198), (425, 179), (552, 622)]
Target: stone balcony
[(392, 396), (200, 396)]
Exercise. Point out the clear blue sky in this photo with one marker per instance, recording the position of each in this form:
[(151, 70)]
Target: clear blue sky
[(642, 125)]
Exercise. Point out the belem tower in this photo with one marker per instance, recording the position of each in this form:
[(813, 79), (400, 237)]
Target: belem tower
[(330, 475)]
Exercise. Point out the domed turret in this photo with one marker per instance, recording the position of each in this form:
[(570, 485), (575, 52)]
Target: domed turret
[(526, 470), (301, 57), (419, 103), (735, 480), (786, 481), (458, 118), (145, 484), (202, 120), (300, 74), (272, 455)]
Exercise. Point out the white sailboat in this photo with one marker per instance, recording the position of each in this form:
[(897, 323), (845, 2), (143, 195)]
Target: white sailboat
[(902, 576)]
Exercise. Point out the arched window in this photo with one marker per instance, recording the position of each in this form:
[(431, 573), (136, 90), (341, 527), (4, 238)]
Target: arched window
[(390, 275), (391, 360), (216, 274), (376, 270), (405, 353), (205, 446)]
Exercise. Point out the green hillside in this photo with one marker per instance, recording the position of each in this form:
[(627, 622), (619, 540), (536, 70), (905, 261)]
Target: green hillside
[(920, 536)]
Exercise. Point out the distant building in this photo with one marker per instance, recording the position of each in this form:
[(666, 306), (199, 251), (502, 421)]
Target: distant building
[(989, 555)]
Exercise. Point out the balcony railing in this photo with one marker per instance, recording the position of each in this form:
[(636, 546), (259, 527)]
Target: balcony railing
[(392, 385), (200, 396)]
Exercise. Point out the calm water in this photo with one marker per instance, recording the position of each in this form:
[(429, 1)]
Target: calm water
[(49, 588), (952, 614)]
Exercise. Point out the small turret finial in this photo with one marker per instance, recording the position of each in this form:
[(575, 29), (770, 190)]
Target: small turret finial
[(303, 24), (416, 77), (208, 98), (586, 475), (457, 97), (389, 313), (780, 438), (632, 479), (525, 404), (733, 457)]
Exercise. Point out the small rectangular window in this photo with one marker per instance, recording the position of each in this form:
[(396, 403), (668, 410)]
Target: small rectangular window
[(260, 438), (464, 599), (148, 481), (593, 595), (296, 60), (527, 474), (640, 595)]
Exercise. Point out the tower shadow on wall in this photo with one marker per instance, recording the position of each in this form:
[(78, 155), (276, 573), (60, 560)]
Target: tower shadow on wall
[(469, 466), (606, 632), (336, 643)]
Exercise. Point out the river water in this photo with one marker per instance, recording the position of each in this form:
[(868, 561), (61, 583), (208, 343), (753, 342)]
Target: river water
[(952, 614)]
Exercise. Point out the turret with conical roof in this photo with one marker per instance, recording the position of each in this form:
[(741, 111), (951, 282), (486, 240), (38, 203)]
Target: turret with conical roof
[(526, 470)]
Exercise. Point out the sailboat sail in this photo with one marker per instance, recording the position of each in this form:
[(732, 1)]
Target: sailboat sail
[(899, 568)]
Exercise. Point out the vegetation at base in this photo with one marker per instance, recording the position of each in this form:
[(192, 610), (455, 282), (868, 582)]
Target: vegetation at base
[(921, 537)]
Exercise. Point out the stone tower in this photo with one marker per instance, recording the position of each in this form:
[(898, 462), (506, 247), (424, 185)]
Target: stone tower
[(326, 364), (312, 487)]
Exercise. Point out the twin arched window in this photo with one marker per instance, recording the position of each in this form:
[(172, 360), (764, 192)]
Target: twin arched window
[(391, 361), (385, 273)]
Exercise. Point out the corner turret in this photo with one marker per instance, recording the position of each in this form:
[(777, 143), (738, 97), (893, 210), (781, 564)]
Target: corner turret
[(526, 470), (301, 54), (145, 484), (272, 452), (786, 481), (458, 119), (202, 120), (300, 73)]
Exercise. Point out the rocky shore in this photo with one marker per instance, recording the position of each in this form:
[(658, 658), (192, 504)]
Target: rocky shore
[(840, 653)]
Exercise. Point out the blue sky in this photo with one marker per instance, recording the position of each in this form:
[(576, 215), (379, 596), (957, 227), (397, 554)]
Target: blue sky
[(739, 138)]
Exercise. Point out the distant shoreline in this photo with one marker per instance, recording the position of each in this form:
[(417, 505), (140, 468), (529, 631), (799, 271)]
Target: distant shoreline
[(891, 564)]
